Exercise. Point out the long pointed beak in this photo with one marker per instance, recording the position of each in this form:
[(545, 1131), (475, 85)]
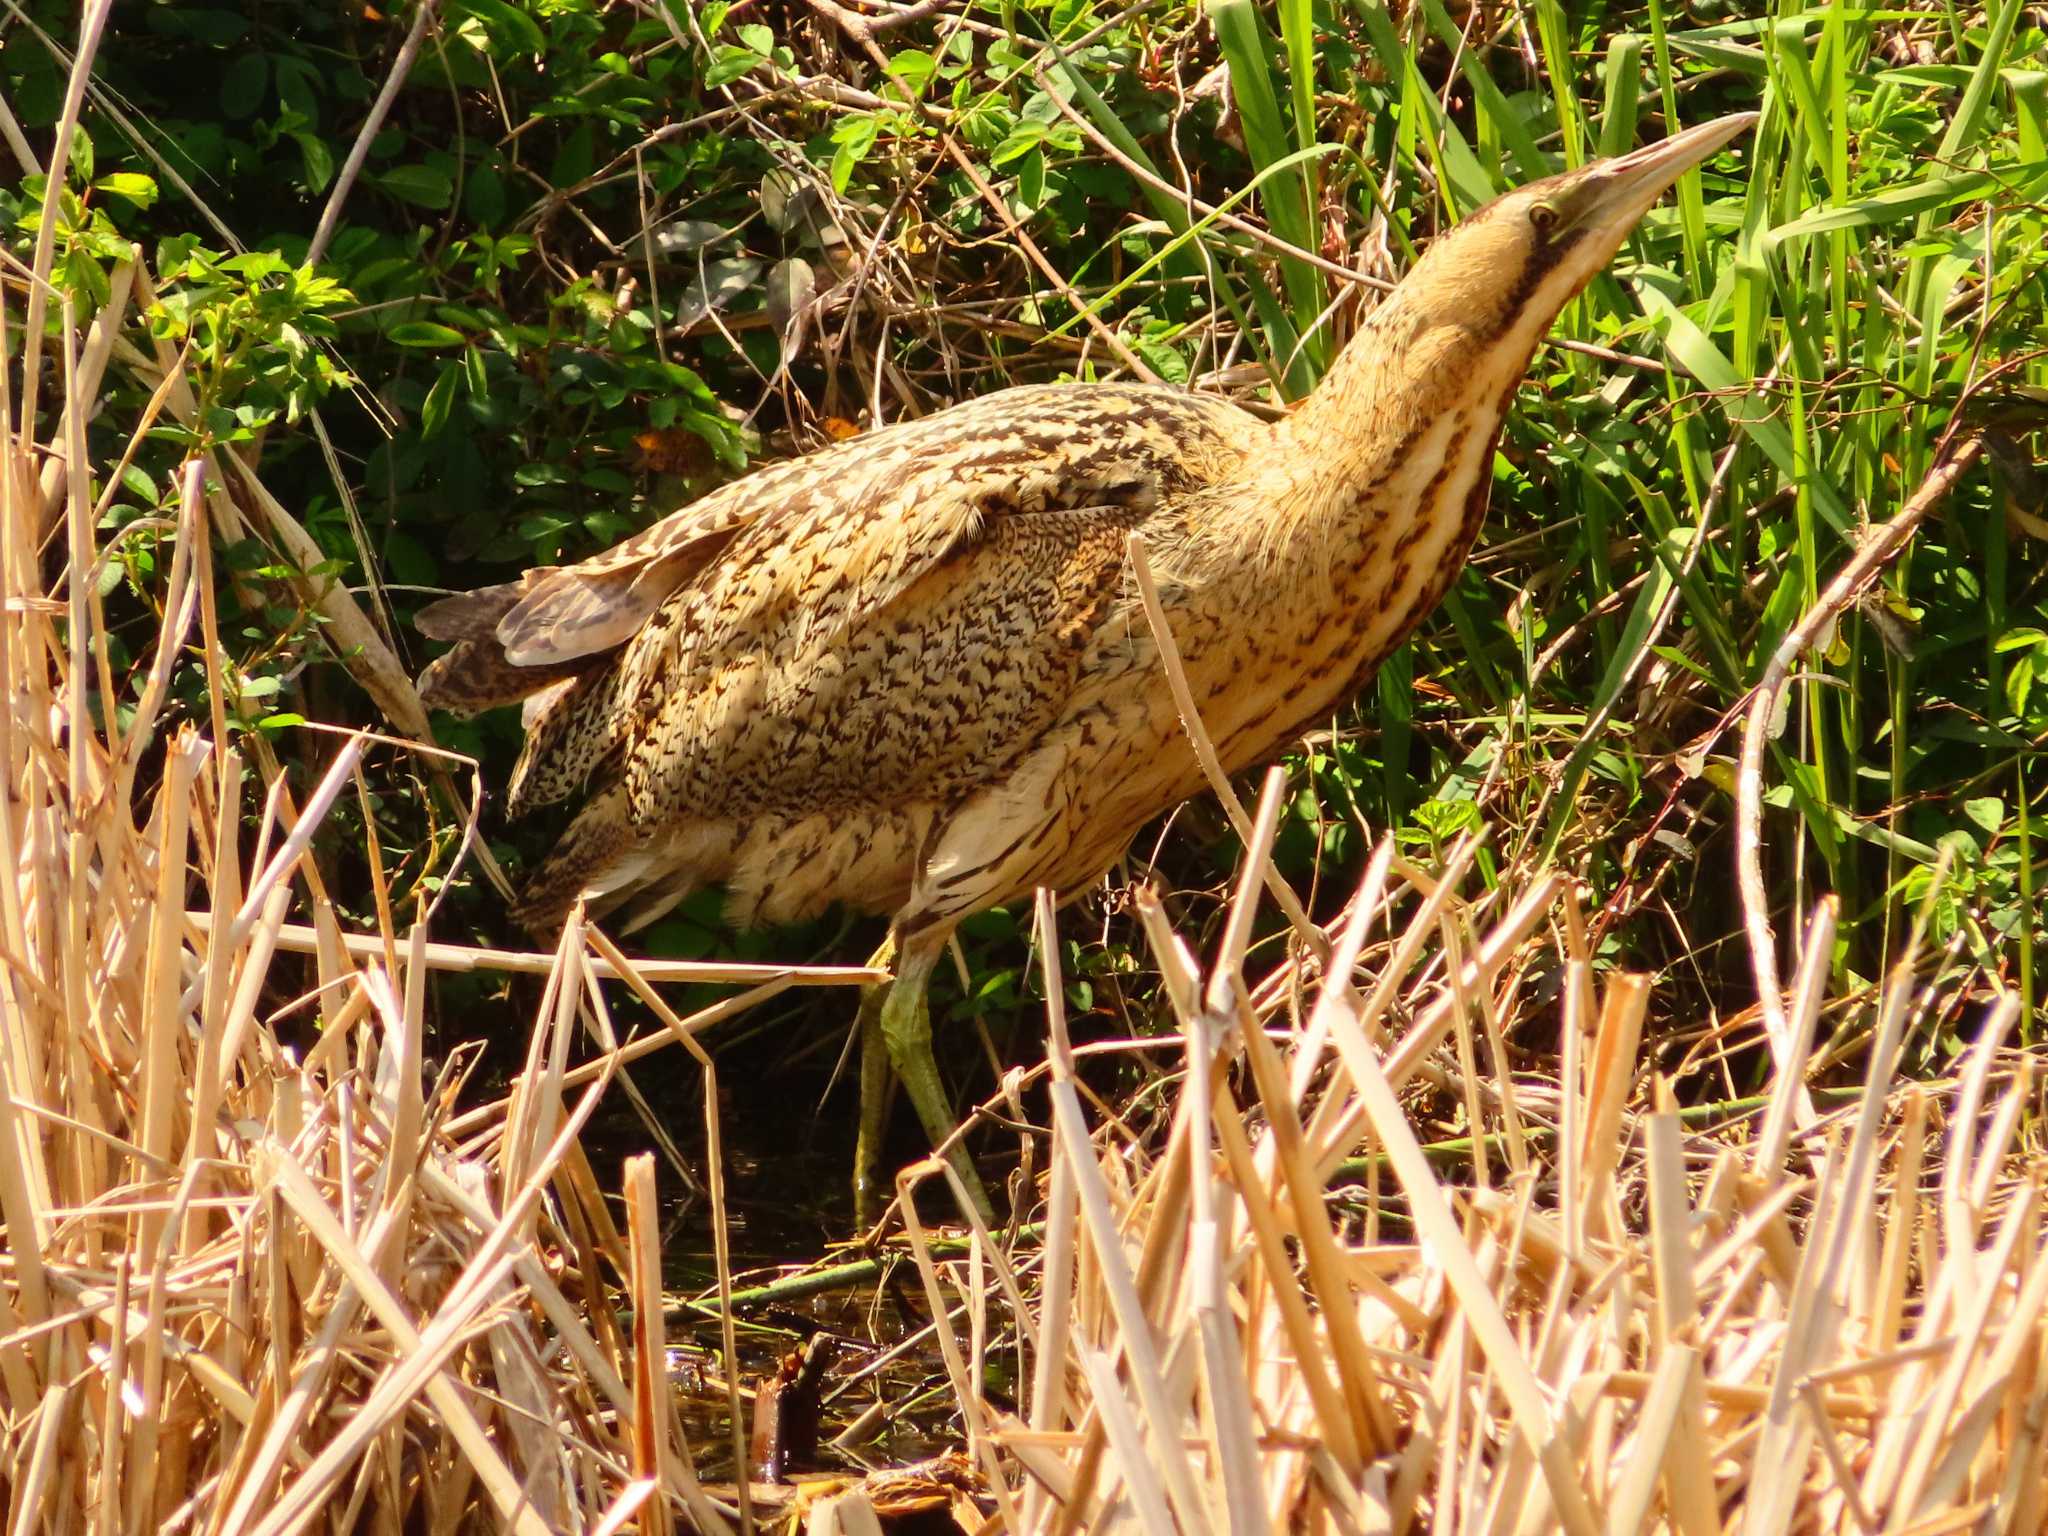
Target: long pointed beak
[(1630, 183)]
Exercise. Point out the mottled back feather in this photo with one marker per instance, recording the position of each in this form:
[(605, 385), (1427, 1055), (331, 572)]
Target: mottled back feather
[(885, 624), (476, 676), (905, 618), (569, 740), (474, 615)]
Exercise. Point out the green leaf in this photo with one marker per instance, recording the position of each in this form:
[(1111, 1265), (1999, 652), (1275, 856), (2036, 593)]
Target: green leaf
[(1469, 181), (418, 184), (1023, 137), (318, 160), (913, 67), (139, 485), (1696, 353), (576, 158), (1988, 811), (1031, 181), (440, 400), (298, 89), (1929, 194), (1490, 104), (1967, 125), (855, 137), (1161, 358), (424, 333), (730, 63), (1287, 198), (136, 188), (511, 30), (243, 84), (483, 197), (786, 200)]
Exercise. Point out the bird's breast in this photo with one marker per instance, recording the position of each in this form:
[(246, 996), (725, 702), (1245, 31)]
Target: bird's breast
[(1348, 553)]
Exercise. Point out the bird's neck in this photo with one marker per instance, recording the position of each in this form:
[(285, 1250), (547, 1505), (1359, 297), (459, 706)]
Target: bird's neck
[(1347, 531), (1409, 371), (1377, 485), (1387, 463)]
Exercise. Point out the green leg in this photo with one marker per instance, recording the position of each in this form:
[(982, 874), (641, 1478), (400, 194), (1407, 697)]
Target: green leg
[(906, 1030), (874, 1093)]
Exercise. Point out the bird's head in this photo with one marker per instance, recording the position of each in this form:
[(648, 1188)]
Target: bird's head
[(1504, 273)]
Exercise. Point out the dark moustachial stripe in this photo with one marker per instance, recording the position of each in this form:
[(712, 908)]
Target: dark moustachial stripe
[(1542, 260)]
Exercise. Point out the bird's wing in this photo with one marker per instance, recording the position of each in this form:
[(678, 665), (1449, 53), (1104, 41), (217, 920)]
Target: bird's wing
[(853, 532), (517, 638), (563, 613), (889, 615), (1028, 449)]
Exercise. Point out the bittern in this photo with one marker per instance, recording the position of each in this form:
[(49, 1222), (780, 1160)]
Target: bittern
[(909, 673)]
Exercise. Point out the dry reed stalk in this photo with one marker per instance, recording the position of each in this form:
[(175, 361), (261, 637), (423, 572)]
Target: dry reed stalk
[(1632, 1323), (245, 1290)]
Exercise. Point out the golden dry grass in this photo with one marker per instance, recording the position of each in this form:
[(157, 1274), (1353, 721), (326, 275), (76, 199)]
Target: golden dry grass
[(263, 1292), (1609, 1317), (248, 1290)]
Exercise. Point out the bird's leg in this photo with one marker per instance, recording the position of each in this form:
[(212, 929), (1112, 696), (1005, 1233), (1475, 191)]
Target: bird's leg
[(906, 1030), (874, 1090)]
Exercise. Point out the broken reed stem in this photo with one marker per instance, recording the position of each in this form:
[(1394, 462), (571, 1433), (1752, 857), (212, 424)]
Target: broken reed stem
[(685, 1034), (297, 938), (1205, 749), (351, 167)]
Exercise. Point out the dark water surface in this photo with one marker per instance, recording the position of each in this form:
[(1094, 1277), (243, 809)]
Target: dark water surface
[(788, 1157)]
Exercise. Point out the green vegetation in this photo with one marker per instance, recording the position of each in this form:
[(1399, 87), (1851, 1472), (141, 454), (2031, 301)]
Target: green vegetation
[(598, 258)]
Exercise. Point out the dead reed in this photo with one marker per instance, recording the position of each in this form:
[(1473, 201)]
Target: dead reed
[(245, 1289), (1613, 1318)]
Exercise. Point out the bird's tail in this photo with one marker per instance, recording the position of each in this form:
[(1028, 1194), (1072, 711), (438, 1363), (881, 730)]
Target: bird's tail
[(597, 856), (572, 737), (477, 675), (627, 874)]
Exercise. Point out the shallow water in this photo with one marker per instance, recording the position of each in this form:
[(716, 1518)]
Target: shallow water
[(788, 1188)]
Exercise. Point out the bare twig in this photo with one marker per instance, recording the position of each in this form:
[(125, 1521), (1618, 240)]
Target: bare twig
[(1205, 749), (330, 216), (1952, 462), (861, 31), (300, 939)]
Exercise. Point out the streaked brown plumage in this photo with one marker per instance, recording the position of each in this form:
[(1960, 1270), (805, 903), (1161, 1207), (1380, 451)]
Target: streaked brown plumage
[(909, 674), (823, 663)]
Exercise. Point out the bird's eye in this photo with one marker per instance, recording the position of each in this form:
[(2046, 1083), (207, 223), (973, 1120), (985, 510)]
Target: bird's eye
[(1543, 217)]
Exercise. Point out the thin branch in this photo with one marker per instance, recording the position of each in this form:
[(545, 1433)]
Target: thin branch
[(862, 31), (359, 151), (1205, 749), (1884, 542), (1280, 247)]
